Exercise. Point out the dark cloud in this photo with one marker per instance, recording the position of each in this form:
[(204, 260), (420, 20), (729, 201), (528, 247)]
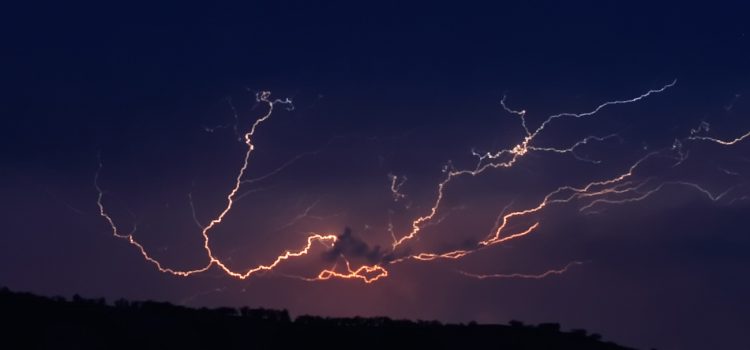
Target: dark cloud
[(353, 247)]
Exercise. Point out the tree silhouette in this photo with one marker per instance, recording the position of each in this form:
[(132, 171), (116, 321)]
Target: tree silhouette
[(39, 322)]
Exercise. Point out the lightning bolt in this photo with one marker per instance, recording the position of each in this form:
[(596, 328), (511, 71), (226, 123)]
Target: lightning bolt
[(128, 237), (281, 168), (366, 273), (542, 275), (719, 141), (572, 149), (489, 160)]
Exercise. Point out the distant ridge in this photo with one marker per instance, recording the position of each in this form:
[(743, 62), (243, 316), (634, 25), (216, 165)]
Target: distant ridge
[(40, 322)]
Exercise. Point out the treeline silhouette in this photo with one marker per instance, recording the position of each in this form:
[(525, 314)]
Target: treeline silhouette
[(32, 321)]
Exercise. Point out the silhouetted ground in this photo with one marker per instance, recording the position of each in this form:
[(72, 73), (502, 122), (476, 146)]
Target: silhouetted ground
[(39, 322)]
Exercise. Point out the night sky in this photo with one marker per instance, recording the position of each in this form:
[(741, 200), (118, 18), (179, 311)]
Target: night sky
[(384, 94)]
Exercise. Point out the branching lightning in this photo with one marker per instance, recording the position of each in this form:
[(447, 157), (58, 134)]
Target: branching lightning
[(624, 187), (230, 199), (511, 155)]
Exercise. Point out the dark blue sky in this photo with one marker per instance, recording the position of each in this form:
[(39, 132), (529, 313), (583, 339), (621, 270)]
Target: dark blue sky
[(382, 88)]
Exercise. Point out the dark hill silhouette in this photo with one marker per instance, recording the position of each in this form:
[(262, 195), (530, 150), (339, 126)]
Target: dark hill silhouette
[(39, 322)]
